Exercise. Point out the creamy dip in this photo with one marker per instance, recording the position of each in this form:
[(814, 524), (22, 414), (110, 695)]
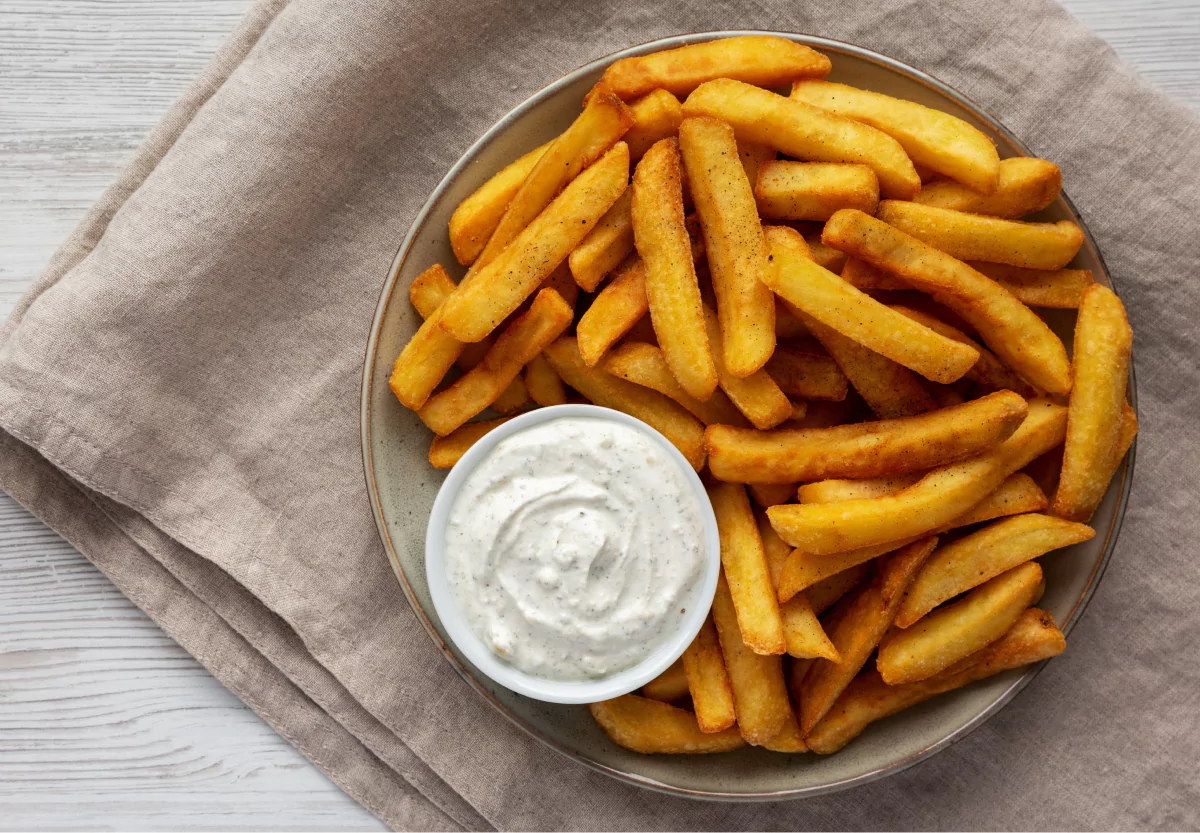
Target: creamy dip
[(574, 548)]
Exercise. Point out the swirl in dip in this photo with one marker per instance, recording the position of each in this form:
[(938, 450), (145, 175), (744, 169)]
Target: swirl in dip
[(574, 548)]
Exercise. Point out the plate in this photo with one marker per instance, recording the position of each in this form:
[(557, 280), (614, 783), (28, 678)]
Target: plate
[(402, 485)]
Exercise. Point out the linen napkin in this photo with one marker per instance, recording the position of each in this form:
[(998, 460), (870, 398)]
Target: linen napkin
[(179, 399)]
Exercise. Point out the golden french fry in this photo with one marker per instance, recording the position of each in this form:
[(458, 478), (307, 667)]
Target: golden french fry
[(513, 398), (970, 561), (826, 593), (476, 217), (683, 430), (1018, 494), (643, 364), (543, 384), (672, 291), (862, 275), (824, 256), (976, 237), (764, 60), (427, 292), (931, 138), (650, 727), (824, 296), (803, 635), (937, 498), (754, 157), (745, 568), (613, 312), (868, 449), (868, 698), (656, 115), (423, 363), (771, 494), (1103, 346), (954, 632), (1055, 288), (759, 692), (789, 738), (788, 190), (1022, 340), (547, 318), (445, 451), (858, 623), (429, 289), (806, 375), (487, 296), (708, 681), (605, 247), (669, 686), (805, 132), (757, 396), (1129, 429), (1025, 185), (829, 491), (733, 242)]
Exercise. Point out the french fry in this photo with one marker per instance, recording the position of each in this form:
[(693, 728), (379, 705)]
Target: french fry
[(936, 499), (745, 567), (476, 217), (754, 157), (806, 375), (605, 247), (805, 132), (970, 561), (733, 242), (1018, 494), (486, 297), (513, 398), (1033, 638), (825, 594), (656, 115), (1025, 185), (669, 686), (829, 491), (764, 60), (1129, 429), (543, 384), (787, 326), (771, 494), (1055, 288), (1022, 340), (868, 449), (857, 624), (757, 396), (596, 130), (975, 237), (651, 728), (759, 692), (429, 289), (951, 633), (547, 318), (445, 451), (643, 364), (931, 138), (683, 430), (672, 291), (423, 363), (708, 681), (824, 256), (824, 296), (803, 635), (1103, 346), (789, 738), (613, 312), (788, 190), (864, 276)]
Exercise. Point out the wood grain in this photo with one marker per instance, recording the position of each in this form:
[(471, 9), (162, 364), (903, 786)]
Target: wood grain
[(104, 721)]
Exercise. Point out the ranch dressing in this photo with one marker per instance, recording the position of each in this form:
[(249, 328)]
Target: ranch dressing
[(574, 548)]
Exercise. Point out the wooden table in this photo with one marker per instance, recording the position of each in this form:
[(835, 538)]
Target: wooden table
[(104, 721)]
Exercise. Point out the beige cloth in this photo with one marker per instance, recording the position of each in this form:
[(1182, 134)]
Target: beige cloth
[(179, 399)]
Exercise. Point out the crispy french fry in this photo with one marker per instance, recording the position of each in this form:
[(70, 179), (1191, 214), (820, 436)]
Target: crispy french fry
[(764, 60), (771, 494), (759, 692), (643, 364), (867, 449), (745, 568), (486, 297), (669, 686), (976, 237), (1022, 340), (445, 451), (824, 256), (672, 291), (602, 388), (827, 298), (733, 242), (805, 132), (476, 217), (429, 289), (1103, 346), (1018, 494), (513, 398), (423, 363), (561, 281), (754, 156), (788, 190), (757, 396), (656, 115), (650, 727), (825, 594), (1033, 638), (829, 491), (1055, 288), (857, 624), (708, 681), (970, 561), (1129, 429), (862, 275), (806, 375), (605, 247), (1025, 185), (613, 312), (951, 633), (938, 498), (789, 738), (803, 635), (543, 384), (931, 138), (547, 318)]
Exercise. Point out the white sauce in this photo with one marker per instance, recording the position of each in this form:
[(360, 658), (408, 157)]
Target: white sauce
[(574, 548)]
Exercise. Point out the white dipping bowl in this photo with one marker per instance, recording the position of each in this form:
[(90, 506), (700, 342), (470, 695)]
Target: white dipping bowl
[(540, 688)]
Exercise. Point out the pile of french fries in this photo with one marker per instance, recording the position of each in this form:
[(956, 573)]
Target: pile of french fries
[(823, 299)]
